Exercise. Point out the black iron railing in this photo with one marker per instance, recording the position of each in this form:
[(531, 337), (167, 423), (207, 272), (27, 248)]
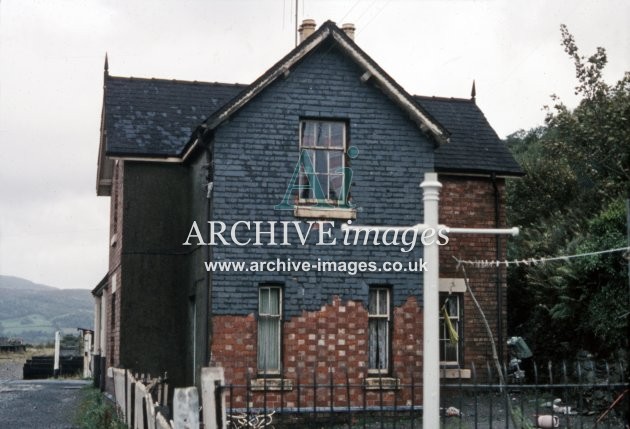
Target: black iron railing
[(583, 394)]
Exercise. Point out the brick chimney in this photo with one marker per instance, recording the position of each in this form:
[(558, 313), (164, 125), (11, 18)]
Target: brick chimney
[(349, 29), (306, 29)]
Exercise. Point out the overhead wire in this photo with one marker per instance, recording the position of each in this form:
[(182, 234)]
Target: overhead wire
[(365, 11), (350, 10), (536, 261), (376, 15)]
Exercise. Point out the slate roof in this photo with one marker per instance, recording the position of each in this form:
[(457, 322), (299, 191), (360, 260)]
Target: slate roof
[(156, 117), (474, 146)]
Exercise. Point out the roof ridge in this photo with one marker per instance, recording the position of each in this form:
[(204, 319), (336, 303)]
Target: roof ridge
[(194, 82), (433, 97)]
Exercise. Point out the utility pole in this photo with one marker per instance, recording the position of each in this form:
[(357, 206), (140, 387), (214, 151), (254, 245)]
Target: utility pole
[(431, 295)]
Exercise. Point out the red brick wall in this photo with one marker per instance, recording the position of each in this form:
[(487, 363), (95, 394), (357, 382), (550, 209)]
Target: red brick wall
[(316, 343), (115, 228), (469, 202)]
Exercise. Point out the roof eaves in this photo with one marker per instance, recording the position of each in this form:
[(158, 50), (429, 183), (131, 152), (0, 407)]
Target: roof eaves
[(104, 170), (479, 172), (104, 166), (98, 290), (145, 157)]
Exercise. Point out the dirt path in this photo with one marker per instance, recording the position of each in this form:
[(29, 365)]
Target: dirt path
[(34, 404)]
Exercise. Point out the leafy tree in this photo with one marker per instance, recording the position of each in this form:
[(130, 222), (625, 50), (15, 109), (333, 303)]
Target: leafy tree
[(572, 201), (595, 134)]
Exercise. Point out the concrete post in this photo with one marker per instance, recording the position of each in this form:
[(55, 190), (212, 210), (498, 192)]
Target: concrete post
[(186, 408), (213, 412), (87, 354), (431, 302)]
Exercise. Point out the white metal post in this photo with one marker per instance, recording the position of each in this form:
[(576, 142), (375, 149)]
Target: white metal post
[(431, 302), (431, 293), (57, 350)]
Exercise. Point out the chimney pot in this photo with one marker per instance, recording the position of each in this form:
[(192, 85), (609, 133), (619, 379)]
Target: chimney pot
[(306, 29), (349, 29)]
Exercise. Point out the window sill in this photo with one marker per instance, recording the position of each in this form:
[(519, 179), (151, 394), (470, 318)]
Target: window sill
[(382, 383), (455, 373), (271, 385), (325, 213)]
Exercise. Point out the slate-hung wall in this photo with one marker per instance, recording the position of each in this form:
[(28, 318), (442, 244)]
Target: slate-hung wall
[(325, 316), (255, 155)]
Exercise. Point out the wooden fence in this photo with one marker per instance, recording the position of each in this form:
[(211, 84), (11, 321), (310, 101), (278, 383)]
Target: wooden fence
[(144, 401)]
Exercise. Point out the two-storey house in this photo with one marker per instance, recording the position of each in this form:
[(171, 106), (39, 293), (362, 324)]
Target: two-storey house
[(220, 193)]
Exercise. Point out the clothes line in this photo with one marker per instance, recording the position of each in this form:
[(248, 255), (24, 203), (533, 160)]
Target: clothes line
[(536, 261)]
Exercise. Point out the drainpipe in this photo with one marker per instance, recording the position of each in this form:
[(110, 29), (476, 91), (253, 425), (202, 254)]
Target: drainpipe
[(96, 356), (498, 274), (208, 295)]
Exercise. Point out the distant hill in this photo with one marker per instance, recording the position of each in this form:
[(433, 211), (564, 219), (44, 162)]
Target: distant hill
[(34, 312), (10, 282)]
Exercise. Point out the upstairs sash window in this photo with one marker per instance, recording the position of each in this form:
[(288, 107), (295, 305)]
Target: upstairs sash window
[(322, 162)]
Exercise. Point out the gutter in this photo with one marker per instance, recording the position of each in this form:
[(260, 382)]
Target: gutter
[(167, 159)]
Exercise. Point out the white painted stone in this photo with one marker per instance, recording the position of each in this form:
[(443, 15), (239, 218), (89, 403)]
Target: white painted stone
[(119, 387), (186, 408), (211, 378)]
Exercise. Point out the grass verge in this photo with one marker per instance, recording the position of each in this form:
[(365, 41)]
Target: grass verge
[(96, 412)]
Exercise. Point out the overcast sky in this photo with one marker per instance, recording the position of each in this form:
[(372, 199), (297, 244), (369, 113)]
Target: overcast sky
[(53, 228)]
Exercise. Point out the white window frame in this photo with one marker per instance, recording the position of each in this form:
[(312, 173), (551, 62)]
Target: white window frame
[(376, 316), (456, 289), (264, 368), (341, 199), (456, 321)]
